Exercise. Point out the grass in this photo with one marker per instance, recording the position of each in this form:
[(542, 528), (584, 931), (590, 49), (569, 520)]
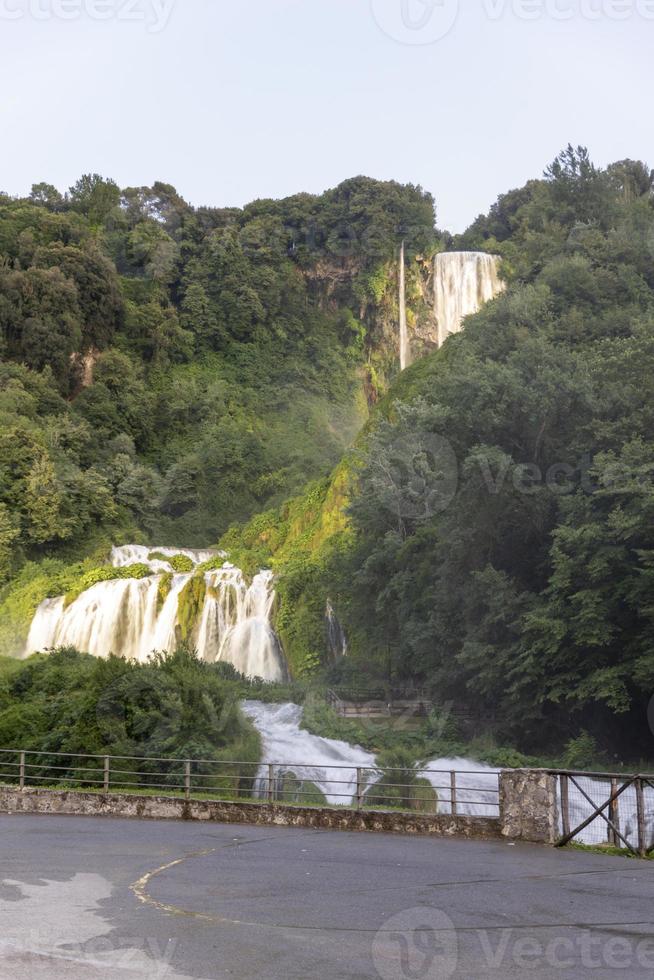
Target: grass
[(609, 849)]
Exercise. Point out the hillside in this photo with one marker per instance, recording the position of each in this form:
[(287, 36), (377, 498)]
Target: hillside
[(491, 536), (167, 370), (487, 534)]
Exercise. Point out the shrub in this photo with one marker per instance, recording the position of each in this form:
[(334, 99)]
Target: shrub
[(191, 601), (107, 573), (178, 563)]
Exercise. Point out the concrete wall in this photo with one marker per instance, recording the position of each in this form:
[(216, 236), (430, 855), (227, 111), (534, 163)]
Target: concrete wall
[(528, 805), (166, 808)]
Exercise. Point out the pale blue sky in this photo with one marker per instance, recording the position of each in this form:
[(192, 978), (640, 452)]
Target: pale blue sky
[(263, 98)]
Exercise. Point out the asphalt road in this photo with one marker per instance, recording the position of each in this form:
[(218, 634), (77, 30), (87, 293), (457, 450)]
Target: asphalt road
[(90, 898)]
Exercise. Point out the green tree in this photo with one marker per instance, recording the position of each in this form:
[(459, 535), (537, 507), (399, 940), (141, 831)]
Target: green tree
[(95, 197), (9, 535)]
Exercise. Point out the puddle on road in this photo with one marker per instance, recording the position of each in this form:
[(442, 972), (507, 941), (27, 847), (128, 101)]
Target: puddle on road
[(56, 929)]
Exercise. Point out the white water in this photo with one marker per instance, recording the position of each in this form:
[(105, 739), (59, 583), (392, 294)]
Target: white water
[(138, 554), (463, 283), (597, 832), (332, 765), (123, 616), (476, 786), (336, 638), (405, 346), (235, 624)]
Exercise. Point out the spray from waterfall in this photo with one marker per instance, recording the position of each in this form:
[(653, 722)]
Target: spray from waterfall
[(463, 283), (132, 618), (405, 346)]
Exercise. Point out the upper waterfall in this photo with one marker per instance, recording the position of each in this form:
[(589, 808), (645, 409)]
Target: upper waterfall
[(133, 617), (405, 347), (463, 282)]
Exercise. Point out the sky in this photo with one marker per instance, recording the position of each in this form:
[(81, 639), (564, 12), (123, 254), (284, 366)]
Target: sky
[(233, 101)]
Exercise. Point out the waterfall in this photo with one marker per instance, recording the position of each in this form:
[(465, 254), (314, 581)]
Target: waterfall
[(331, 765), (235, 624), (405, 347), (476, 786), (132, 618), (599, 790), (463, 283), (138, 554), (336, 638)]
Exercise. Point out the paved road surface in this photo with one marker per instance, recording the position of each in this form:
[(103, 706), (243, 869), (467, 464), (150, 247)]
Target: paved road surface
[(90, 898)]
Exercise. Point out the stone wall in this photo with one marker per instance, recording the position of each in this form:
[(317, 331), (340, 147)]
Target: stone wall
[(75, 803), (529, 806)]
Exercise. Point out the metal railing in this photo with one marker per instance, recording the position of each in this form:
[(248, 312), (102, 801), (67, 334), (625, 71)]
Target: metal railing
[(420, 790), (606, 809)]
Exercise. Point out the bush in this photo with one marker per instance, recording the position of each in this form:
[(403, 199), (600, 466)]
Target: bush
[(178, 563), (106, 574), (175, 706), (582, 752)]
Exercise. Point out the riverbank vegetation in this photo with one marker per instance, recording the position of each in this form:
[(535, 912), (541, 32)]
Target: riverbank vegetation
[(173, 707)]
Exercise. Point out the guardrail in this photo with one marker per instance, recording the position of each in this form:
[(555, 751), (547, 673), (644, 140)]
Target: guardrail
[(606, 809), (422, 790)]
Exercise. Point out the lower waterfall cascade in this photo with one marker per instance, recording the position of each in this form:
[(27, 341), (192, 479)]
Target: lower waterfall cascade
[(331, 765), (131, 618), (463, 283)]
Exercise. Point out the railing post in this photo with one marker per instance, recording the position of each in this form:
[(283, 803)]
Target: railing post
[(453, 793), (359, 789), (565, 804), (614, 815), (187, 779), (107, 771), (21, 776), (640, 805), (271, 783)]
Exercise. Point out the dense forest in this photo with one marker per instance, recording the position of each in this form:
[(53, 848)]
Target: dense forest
[(491, 538), (178, 375), (167, 370)]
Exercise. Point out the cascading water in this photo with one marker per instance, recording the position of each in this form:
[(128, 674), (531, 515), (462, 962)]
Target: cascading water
[(132, 618), (405, 346), (138, 554), (336, 638), (476, 786), (332, 765), (235, 624), (463, 283), (599, 790)]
